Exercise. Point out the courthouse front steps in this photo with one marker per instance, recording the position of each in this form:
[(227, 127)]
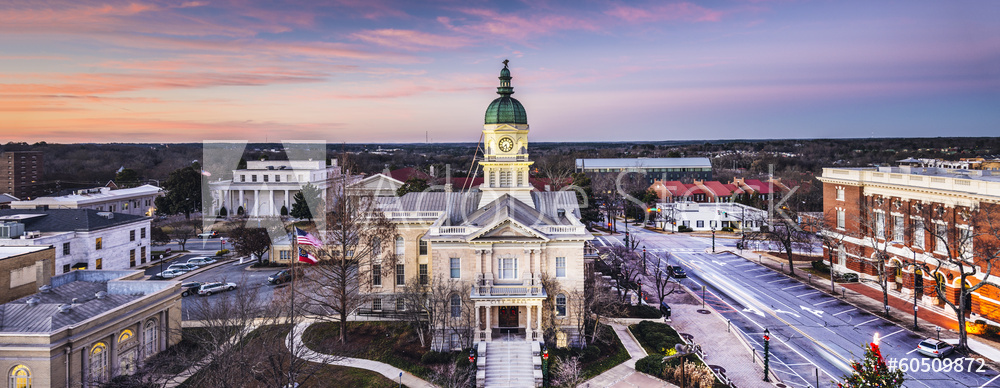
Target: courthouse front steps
[(509, 364)]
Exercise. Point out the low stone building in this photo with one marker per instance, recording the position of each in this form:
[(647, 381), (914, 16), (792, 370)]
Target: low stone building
[(23, 270), (87, 327)]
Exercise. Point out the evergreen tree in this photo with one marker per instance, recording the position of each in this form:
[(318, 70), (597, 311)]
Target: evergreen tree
[(300, 206), (872, 372), (412, 185), (589, 211)]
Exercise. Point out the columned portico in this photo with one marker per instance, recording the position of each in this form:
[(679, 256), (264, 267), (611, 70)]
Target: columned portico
[(526, 312)]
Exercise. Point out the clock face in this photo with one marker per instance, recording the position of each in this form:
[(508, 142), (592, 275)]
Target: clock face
[(506, 144)]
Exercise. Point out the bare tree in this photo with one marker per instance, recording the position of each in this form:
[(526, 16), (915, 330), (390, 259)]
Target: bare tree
[(602, 301), (567, 372), (251, 242), (450, 375), (244, 342), (628, 265), (181, 232), (873, 232), (832, 239), (783, 231), (970, 246), (557, 168), (664, 281), (354, 242)]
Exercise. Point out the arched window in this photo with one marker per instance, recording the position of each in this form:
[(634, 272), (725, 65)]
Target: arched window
[(127, 352), (20, 377), (456, 306), (940, 283), (125, 336), (150, 339), (400, 247), (99, 362), (561, 305)]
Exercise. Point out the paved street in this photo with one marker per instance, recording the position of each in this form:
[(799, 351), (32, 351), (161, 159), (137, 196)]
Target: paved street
[(812, 333)]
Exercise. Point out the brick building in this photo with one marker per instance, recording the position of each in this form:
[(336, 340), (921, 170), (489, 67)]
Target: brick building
[(21, 173), (24, 269), (917, 216)]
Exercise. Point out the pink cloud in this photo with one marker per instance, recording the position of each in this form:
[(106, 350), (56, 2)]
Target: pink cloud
[(411, 40), (487, 23), (687, 12)]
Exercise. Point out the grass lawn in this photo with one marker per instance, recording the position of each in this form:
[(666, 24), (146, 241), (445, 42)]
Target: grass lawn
[(393, 343), (610, 353)]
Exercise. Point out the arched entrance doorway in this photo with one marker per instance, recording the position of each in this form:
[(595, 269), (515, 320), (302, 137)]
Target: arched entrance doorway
[(918, 282)]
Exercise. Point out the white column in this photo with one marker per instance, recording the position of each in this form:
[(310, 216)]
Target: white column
[(527, 324), (241, 202), (286, 201), (477, 330), (256, 202), (489, 324), (538, 323)]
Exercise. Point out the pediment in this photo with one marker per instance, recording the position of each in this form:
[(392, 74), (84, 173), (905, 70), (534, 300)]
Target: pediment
[(508, 229)]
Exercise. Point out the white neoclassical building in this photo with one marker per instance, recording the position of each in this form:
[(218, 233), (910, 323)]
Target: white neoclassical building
[(497, 242), (265, 186)]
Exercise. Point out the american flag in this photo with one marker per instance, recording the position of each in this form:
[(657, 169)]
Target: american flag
[(306, 257), (304, 238)]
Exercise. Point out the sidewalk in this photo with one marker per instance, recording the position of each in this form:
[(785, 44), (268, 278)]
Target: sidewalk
[(869, 299)]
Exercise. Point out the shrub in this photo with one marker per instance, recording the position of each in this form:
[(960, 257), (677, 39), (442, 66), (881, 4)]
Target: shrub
[(590, 353), (651, 364), (727, 229), (644, 311), (433, 357), (820, 266), (684, 229), (463, 362), (222, 252), (697, 374)]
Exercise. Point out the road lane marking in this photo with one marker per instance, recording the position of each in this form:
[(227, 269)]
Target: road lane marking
[(775, 281), (818, 313), (868, 321), (760, 276), (988, 382), (811, 293), (823, 303), (911, 351), (745, 265), (850, 309), (887, 335), (791, 287)]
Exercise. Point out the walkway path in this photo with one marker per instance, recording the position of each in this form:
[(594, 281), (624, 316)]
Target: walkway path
[(389, 371)]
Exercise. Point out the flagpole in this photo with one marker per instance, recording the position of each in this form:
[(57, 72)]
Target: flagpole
[(291, 346)]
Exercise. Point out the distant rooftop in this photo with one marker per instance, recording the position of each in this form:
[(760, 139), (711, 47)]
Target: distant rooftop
[(643, 163), (75, 297), (87, 196), (65, 220), (6, 252)]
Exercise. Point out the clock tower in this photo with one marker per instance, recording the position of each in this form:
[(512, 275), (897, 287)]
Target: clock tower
[(505, 141)]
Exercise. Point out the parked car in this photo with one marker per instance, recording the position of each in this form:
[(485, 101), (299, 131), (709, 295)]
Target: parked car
[(170, 273), (201, 261), (676, 271), (284, 275), (208, 234), (190, 288), (211, 288), (183, 267), (934, 348)]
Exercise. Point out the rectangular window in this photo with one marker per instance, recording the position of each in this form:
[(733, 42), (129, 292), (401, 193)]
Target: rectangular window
[(841, 218), (131, 258), (142, 233), (376, 275), (142, 255), (898, 230), (98, 243), (941, 240), (700, 223), (65, 248), (265, 177), (377, 304), (400, 304), (456, 268), (840, 193), (131, 235), (400, 246), (277, 178), (423, 274), (965, 238), (243, 178), (400, 275), (423, 247), (560, 267), (253, 178), (841, 255), (66, 268), (508, 268), (99, 264), (880, 225), (918, 234)]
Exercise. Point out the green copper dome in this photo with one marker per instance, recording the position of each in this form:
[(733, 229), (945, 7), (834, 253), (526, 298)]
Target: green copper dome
[(505, 109)]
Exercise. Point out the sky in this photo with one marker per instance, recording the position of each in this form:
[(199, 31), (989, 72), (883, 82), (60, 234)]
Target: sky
[(383, 71)]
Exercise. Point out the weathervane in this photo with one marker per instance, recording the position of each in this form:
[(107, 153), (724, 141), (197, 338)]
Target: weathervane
[(505, 62)]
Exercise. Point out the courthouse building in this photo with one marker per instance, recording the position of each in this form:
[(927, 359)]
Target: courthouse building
[(499, 241), (916, 215), (264, 187)]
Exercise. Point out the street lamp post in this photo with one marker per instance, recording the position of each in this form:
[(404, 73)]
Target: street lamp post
[(713, 239), (767, 354), (644, 260), (545, 366), (914, 290)]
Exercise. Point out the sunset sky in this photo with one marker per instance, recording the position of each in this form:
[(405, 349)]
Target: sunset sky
[(387, 71)]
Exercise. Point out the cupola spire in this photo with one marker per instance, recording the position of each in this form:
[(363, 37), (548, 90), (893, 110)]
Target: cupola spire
[(505, 89)]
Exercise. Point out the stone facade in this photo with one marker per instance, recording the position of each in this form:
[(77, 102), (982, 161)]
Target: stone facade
[(23, 270)]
